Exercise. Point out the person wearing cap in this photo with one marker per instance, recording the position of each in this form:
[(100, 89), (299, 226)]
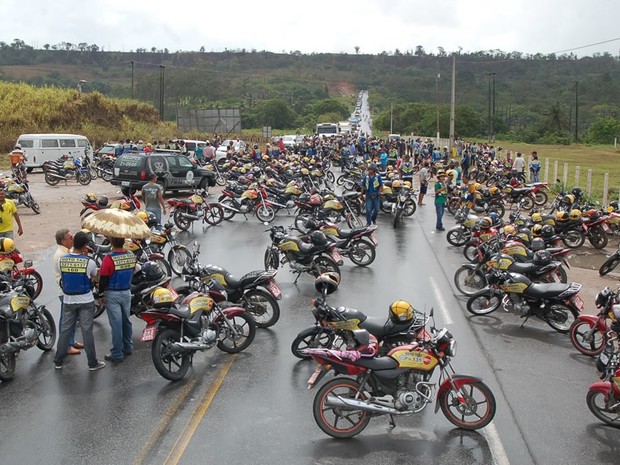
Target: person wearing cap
[(441, 196), (372, 187)]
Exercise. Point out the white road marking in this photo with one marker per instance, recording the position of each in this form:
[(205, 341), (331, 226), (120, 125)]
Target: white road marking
[(495, 445), (447, 319)]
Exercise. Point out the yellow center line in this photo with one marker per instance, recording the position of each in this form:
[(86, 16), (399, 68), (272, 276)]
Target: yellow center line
[(192, 425)]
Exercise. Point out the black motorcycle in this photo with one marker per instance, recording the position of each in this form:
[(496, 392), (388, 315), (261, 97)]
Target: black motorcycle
[(19, 192), (256, 291)]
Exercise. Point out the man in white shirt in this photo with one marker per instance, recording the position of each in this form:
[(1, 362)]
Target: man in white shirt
[(519, 165)]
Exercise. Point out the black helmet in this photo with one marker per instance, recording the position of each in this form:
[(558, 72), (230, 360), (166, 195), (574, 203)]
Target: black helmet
[(152, 272), (542, 257), (602, 298), (311, 225), (547, 231), (318, 238), (151, 220), (577, 192), (102, 201), (538, 244)]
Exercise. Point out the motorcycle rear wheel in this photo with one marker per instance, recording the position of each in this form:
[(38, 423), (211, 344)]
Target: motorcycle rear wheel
[(362, 252), (227, 202), (610, 264), (324, 264), (340, 422), (591, 347), (107, 175), (469, 281), (469, 252), (182, 222), (171, 365), (540, 198), (484, 302), (527, 203), (35, 207), (263, 307), (561, 317), (598, 237), (462, 407), (7, 366), (51, 180), (46, 329), (597, 403), (573, 238), (232, 343)]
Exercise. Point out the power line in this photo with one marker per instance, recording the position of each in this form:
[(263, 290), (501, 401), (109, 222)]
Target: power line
[(589, 45)]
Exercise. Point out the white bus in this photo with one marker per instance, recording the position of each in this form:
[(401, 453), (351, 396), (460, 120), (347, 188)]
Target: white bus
[(48, 147), (327, 129)]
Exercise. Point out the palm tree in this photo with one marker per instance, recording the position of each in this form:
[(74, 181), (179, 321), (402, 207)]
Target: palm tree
[(555, 120)]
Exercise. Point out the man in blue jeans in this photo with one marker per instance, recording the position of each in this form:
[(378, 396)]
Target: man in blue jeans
[(115, 280), (372, 187)]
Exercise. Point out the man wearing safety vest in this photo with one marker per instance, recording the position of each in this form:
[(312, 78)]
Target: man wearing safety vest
[(115, 279), (76, 272)]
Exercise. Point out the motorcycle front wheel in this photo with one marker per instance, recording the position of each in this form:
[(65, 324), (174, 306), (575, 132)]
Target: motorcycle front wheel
[(177, 257), (458, 236), (271, 259), (182, 222), (214, 214), (610, 264), (586, 339), (470, 407), (560, 317), (234, 341), (171, 365), (573, 238), (598, 405), (410, 208), (7, 366), (227, 205), (337, 421), (396, 218), (84, 178), (265, 213), (46, 329), (598, 237), (262, 306), (469, 281), (484, 302), (312, 338), (324, 264), (362, 252), (35, 281), (540, 198)]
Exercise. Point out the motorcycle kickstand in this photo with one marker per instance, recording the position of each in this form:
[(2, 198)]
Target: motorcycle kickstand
[(297, 278), (527, 317), (392, 424)]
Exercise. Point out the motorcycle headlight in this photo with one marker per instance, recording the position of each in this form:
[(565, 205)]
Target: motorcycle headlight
[(615, 309), (451, 351)]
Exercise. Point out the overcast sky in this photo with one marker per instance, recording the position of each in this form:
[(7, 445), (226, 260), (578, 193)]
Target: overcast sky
[(528, 26)]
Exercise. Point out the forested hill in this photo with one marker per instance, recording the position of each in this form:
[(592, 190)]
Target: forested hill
[(531, 93)]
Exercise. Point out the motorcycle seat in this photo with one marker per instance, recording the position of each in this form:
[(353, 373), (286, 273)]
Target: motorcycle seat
[(181, 311), (346, 233), (521, 191), (306, 249), (338, 242), (523, 268), (350, 195), (380, 327), (380, 363), (544, 290), (100, 248)]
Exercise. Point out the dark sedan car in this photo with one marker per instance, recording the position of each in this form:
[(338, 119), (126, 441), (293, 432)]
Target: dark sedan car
[(174, 171)]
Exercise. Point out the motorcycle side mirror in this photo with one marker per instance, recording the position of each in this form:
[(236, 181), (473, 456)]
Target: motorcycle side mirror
[(27, 263)]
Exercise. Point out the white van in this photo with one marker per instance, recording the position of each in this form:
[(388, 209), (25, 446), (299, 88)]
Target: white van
[(48, 147)]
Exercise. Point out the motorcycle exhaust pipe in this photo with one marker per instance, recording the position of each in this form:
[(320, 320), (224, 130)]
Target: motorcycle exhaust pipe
[(189, 216), (228, 207), (188, 346), (339, 402)]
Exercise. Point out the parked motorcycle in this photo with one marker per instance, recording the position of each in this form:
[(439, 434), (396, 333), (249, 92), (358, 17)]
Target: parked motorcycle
[(333, 326), (603, 397), (186, 211), (65, 169), (610, 263), (31, 279), (178, 254), (256, 291), (558, 305), (197, 323), (23, 324), (92, 202), (317, 257), (19, 192), (398, 384), (589, 333), (253, 199)]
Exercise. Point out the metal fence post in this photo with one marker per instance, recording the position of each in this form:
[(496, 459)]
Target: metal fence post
[(589, 183), (555, 170), (565, 177), (605, 188)]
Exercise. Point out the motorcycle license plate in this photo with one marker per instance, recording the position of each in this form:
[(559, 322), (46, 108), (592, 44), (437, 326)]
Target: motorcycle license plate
[(174, 293), (578, 302), (315, 376), (603, 358), (125, 183), (605, 227), (556, 278), (148, 334), (275, 290), (336, 256), (374, 240)]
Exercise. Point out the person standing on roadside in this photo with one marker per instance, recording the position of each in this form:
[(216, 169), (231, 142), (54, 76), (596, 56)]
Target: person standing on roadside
[(115, 280), (441, 196), (64, 239), (535, 168), (76, 272), (8, 211), (372, 187), (209, 152), (519, 166), (153, 197), (424, 175)]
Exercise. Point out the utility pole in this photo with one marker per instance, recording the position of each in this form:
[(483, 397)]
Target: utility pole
[(132, 79), (161, 92), (452, 101), (391, 117), (437, 103), (493, 112), (577, 111)]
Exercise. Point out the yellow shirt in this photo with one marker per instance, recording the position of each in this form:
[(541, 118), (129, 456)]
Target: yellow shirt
[(6, 215)]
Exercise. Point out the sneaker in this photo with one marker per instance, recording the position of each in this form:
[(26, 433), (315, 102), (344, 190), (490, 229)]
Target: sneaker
[(440, 229), (109, 358), (127, 353), (58, 367), (99, 366)]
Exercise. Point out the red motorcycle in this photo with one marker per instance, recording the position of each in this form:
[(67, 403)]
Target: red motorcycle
[(589, 333), (33, 280), (398, 384), (254, 199), (186, 211), (603, 398)]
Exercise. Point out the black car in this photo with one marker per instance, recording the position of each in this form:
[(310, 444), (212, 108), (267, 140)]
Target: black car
[(172, 169)]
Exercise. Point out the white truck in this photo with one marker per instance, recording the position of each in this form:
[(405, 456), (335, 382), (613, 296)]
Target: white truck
[(346, 127)]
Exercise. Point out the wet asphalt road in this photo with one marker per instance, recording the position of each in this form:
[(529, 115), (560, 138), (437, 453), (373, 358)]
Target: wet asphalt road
[(253, 408)]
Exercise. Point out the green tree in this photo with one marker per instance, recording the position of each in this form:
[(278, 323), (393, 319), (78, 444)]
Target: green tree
[(275, 113), (604, 130)]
